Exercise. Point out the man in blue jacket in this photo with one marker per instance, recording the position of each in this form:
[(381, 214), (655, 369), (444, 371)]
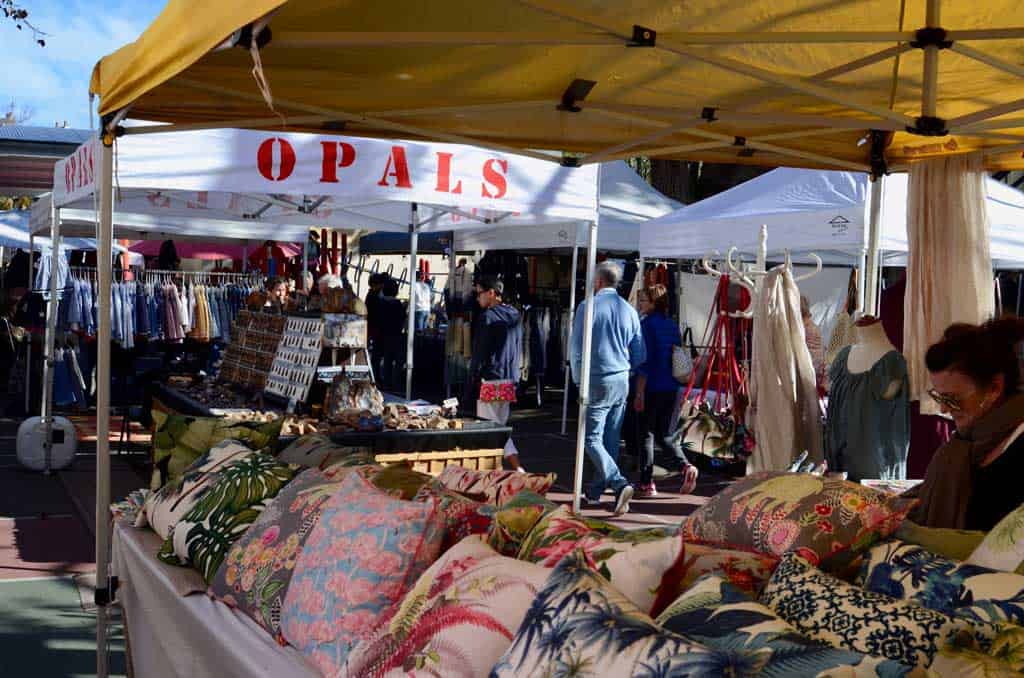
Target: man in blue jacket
[(617, 348)]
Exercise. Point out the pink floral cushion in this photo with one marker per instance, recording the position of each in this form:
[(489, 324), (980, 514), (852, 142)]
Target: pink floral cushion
[(747, 571), (361, 558), (457, 621), (462, 516), (497, 486), (644, 565), (819, 518), (257, 571)]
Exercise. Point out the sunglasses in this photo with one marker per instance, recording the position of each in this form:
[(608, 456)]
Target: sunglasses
[(952, 403)]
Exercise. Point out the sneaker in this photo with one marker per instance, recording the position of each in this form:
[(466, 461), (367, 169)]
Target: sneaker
[(645, 491), (588, 503), (622, 500)]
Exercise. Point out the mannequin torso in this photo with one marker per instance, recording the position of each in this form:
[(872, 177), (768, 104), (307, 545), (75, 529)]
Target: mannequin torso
[(871, 346)]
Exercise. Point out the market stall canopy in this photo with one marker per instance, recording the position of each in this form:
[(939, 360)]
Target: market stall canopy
[(273, 186), (818, 211), (768, 82), (14, 232), (625, 200)]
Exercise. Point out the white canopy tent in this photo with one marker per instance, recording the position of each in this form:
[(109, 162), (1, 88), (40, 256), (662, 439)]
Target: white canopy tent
[(14, 233), (412, 186), (820, 211)]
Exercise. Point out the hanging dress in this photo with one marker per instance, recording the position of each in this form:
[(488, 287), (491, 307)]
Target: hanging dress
[(866, 435)]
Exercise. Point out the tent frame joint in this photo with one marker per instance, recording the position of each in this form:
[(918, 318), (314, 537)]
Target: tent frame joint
[(105, 596), (569, 161), (643, 37), (929, 126), (931, 37), (574, 94), (879, 165), (708, 114)]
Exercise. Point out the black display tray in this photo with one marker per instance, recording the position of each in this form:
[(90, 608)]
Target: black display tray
[(476, 434)]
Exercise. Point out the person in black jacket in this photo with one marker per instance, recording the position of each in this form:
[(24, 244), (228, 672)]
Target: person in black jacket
[(390, 341), (497, 345)]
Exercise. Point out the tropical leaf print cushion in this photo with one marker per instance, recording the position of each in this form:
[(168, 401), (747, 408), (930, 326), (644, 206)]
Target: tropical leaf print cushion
[(746, 571), (457, 620), (361, 558), (580, 625), (717, 614), (818, 518), (497, 486), (643, 565), (166, 506), (462, 516), (909, 572), (257, 571), (514, 521), (316, 450), (240, 493), (845, 616), (1003, 547), (178, 440)]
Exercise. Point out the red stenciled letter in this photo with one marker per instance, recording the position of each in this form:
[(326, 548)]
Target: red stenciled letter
[(444, 174), (331, 163), (265, 159), (495, 179), (67, 176), (400, 169)]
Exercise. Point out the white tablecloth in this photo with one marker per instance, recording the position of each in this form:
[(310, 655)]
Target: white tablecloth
[(189, 636)]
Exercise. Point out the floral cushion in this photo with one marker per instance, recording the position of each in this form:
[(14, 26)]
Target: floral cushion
[(717, 614), (497, 486), (361, 558), (462, 516), (848, 617), (319, 451), (746, 571), (178, 440), (240, 493), (580, 625), (458, 619), (642, 565), (1004, 659), (257, 571), (909, 572), (1003, 547), (166, 506), (514, 521), (817, 517), (955, 544)]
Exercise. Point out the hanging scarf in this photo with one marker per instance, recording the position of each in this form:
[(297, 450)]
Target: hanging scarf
[(947, 485)]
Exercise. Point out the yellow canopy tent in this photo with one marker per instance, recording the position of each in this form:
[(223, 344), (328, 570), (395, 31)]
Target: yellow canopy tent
[(769, 82), (863, 85)]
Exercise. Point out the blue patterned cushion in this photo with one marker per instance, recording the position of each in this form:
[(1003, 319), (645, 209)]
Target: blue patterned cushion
[(910, 572), (717, 614), (830, 610), (580, 625)]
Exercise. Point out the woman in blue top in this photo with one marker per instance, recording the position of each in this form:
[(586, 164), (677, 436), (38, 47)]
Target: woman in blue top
[(656, 391)]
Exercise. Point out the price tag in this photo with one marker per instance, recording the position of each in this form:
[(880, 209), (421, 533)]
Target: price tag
[(450, 404)]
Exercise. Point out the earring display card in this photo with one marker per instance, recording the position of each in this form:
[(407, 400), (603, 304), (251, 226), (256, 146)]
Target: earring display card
[(294, 365), (250, 355)]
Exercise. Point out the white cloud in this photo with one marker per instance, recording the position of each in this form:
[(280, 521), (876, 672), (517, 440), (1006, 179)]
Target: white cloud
[(54, 80)]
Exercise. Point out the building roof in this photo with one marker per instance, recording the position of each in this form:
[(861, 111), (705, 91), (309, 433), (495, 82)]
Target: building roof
[(43, 135)]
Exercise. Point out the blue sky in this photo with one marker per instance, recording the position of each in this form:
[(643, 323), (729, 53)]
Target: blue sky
[(54, 80)]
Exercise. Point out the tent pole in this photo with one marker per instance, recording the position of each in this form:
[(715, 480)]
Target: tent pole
[(451, 291), (588, 336), (930, 84), (28, 290), (869, 279), (46, 408), (414, 236), (103, 263), (572, 310), (305, 267)]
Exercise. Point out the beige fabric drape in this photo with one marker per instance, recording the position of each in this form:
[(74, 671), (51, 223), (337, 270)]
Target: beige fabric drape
[(949, 267), (784, 413)]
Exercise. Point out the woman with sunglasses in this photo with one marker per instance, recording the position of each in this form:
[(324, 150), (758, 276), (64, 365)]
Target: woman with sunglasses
[(974, 480)]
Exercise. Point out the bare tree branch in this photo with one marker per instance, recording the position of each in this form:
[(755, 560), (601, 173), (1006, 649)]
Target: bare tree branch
[(19, 15)]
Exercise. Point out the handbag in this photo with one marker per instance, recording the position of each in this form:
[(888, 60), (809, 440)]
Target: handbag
[(497, 391), (683, 357)]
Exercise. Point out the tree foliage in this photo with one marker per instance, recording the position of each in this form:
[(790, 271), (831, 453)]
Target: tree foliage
[(19, 15)]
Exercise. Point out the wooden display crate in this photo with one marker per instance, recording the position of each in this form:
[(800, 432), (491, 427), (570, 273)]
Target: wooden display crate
[(435, 462)]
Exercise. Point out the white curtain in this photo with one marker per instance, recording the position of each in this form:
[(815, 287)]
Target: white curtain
[(949, 270), (784, 413)]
